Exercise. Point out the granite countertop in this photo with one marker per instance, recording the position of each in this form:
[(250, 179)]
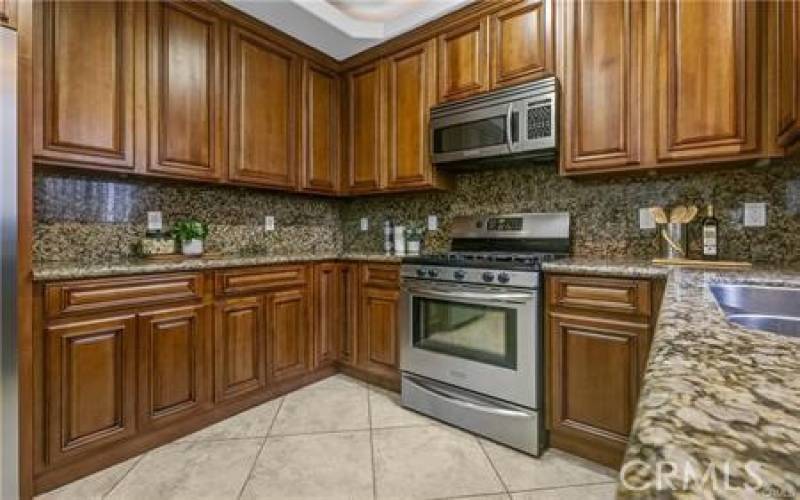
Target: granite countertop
[(54, 271)]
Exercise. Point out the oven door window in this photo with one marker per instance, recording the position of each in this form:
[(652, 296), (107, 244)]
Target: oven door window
[(487, 334), (473, 135)]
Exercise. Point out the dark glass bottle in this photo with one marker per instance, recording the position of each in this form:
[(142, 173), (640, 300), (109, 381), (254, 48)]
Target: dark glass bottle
[(710, 235)]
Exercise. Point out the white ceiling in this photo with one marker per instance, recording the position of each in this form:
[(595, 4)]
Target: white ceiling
[(342, 28)]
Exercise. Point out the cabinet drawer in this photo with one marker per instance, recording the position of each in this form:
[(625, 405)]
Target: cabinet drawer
[(384, 275), (621, 296), (89, 296), (259, 279)]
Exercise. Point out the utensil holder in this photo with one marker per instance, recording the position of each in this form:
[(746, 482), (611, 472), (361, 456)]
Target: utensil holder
[(674, 241)]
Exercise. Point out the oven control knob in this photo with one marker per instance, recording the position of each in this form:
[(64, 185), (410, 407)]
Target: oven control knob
[(503, 277), (421, 272), (459, 275), (488, 277), (433, 273)]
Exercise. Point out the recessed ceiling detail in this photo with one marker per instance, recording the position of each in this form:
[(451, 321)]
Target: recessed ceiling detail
[(342, 28)]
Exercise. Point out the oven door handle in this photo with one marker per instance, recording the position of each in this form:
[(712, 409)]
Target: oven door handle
[(486, 297)]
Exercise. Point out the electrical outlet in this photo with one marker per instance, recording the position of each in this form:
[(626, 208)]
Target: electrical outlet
[(269, 223), (433, 223), (646, 219), (364, 224), (755, 214), (154, 222)]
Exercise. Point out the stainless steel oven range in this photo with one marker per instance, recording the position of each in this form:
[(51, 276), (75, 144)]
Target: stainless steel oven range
[(471, 326)]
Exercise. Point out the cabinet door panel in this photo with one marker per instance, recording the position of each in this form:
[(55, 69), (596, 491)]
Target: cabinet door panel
[(365, 115), (787, 33), (463, 61), (289, 334), (411, 93), (706, 82), (174, 358), (348, 324), (240, 347), (184, 90), (378, 331), (84, 83), (327, 313), (321, 129), (595, 368), (90, 381), (603, 46), (8, 13), (263, 110), (522, 47)]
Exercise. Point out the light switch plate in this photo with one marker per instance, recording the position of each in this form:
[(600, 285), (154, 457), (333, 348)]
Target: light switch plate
[(269, 223), (646, 219), (755, 214), (154, 222), (433, 223), (364, 224)]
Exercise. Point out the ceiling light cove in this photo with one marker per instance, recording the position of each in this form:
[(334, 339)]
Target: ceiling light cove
[(376, 10)]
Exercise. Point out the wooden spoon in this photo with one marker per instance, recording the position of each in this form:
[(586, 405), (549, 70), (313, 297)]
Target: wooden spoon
[(659, 215), (678, 214)]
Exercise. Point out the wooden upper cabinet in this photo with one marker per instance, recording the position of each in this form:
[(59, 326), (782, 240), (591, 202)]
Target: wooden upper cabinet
[(90, 383), (185, 90), (289, 334), (264, 84), (602, 84), (321, 137), (784, 27), (411, 92), (521, 42), (365, 128), (239, 347), (463, 60), (706, 81), (84, 83), (174, 364), (8, 13)]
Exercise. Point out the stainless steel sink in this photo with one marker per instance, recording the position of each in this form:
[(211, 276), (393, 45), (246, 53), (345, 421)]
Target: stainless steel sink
[(768, 308)]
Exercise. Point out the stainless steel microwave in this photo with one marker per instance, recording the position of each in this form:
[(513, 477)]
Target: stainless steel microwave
[(519, 122)]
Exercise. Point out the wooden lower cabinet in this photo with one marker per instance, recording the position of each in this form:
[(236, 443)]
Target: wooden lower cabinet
[(240, 350), (174, 364), (288, 334), (595, 362), (90, 385), (119, 371)]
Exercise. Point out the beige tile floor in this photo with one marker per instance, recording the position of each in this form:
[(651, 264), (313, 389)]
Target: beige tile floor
[(340, 438)]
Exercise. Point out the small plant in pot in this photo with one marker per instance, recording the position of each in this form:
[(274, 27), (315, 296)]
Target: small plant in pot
[(414, 235), (190, 233)]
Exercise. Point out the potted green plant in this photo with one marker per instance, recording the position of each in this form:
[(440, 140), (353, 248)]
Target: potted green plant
[(190, 233), (414, 235)]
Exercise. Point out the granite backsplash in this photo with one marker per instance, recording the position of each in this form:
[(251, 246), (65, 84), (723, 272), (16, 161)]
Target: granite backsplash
[(88, 218)]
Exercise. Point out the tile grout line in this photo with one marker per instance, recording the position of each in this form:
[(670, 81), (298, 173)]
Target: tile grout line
[(260, 450), (494, 468), (564, 487), (117, 483), (371, 445)]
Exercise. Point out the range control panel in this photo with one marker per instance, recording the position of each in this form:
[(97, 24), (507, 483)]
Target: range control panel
[(478, 276)]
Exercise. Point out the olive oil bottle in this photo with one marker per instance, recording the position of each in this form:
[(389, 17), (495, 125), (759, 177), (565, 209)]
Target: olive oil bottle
[(710, 235)]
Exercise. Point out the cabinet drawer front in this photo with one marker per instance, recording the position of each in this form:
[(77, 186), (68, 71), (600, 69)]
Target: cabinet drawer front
[(259, 279), (601, 294), (90, 296), (386, 275)]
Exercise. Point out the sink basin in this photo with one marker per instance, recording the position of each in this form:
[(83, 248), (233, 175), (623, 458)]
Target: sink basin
[(768, 308)]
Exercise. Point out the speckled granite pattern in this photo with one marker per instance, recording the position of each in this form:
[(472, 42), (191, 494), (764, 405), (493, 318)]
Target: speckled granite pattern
[(604, 210), (96, 219), (53, 271), (717, 398)]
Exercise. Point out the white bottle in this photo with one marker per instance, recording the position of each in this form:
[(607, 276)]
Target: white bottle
[(400, 240)]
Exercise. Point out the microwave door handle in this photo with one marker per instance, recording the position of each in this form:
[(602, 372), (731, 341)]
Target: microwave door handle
[(509, 116)]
